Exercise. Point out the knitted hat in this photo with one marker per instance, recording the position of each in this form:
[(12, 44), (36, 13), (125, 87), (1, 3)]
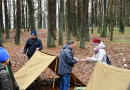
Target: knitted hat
[(96, 41), (33, 32), (3, 55)]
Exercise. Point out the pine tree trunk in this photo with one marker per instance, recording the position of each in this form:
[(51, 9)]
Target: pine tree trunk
[(84, 25), (51, 29), (9, 9), (121, 17), (2, 28), (105, 21), (31, 14), (23, 19), (44, 22), (96, 24), (73, 15), (6, 20), (79, 11), (14, 27), (92, 16), (61, 22), (17, 36), (68, 20), (111, 19), (26, 15), (87, 19), (1, 24), (39, 14), (129, 13)]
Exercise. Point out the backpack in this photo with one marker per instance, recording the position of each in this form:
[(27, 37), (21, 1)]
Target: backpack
[(108, 61)]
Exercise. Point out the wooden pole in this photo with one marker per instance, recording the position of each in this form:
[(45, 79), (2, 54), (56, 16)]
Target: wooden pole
[(55, 74)]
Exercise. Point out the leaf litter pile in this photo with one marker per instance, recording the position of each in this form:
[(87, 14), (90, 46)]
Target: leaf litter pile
[(118, 52)]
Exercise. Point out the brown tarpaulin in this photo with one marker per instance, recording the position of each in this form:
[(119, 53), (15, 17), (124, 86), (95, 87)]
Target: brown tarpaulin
[(35, 66), (106, 77)]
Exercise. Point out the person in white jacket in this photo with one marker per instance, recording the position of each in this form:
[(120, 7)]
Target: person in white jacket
[(99, 51)]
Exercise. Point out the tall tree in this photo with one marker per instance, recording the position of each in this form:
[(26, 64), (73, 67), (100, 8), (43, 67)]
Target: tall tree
[(44, 20), (17, 35), (79, 11), (128, 13), (87, 19), (61, 22), (95, 16), (100, 18), (68, 24), (105, 21), (121, 17), (111, 19), (14, 27), (92, 15), (6, 20), (84, 27), (1, 19), (2, 28), (9, 13), (73, 17), (40, 14), (26, 14), (31, 14), (51, 29), (23, 19)]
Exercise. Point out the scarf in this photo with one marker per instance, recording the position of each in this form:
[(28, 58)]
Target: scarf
[(97, 48)]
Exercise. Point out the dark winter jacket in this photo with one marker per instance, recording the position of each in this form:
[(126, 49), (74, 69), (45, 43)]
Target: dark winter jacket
[(31, 45), (66, 60), (14, 83), (5, 81)]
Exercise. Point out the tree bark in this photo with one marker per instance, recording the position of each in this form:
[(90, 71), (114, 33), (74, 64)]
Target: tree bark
[(23, 19), (73, 17), (14, 27), (51, 29), (68, 21), (1, 23), (61, 22), (121, 17), (92, 16), (40, 14), (111, 19), (87, 19), (2, 26), (44, 21), (31, 14), (17, 36), (9, 12), (6, 20), (84, 28), (105, 22), (96, 24), (26, 15), (79, 11)]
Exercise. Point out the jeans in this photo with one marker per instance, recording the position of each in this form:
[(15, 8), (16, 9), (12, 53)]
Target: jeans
[(64, 82)]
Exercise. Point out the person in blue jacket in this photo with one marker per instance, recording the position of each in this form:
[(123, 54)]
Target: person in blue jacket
[(32, 45), (66, 62)]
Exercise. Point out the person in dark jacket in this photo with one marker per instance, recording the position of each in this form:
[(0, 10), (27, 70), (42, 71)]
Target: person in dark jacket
[(5, 81), (66, 62), (32, 45)]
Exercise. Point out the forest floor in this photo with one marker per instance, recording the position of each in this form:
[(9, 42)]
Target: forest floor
[(117, 50)]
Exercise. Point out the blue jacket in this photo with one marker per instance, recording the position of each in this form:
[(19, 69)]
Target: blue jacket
[(66, 60), (32, 46)]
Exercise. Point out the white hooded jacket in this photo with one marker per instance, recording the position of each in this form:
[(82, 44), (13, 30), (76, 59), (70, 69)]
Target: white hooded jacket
[(101, 55)]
